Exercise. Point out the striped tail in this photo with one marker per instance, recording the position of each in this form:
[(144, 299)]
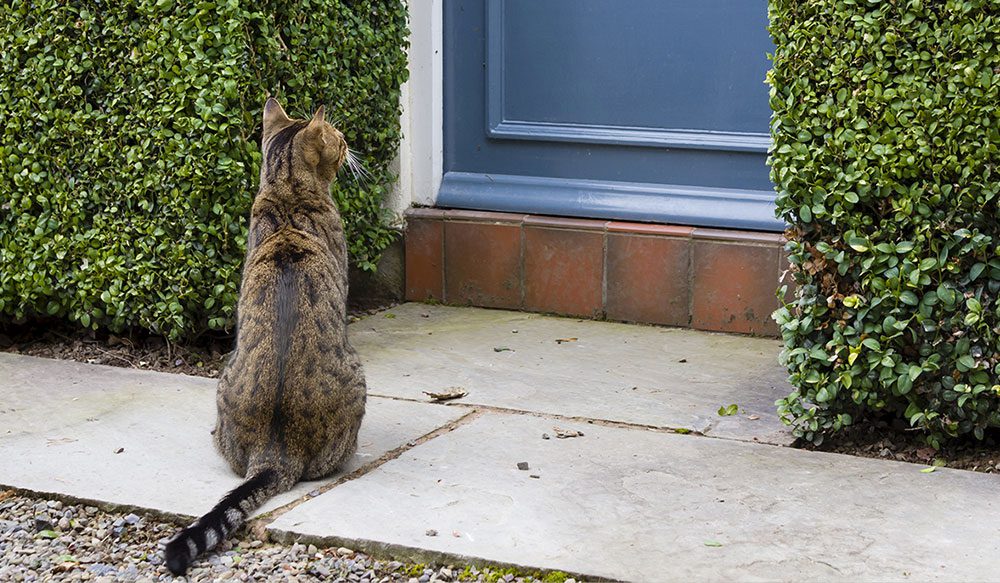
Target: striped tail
[(228, 515)]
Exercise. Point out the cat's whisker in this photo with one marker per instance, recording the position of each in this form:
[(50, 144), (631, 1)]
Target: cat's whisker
[(357, 168)]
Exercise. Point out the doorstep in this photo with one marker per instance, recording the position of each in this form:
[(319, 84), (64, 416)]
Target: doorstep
[(707, 279)]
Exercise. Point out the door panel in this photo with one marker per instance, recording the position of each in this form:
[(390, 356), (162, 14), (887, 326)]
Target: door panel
[(649, 110)]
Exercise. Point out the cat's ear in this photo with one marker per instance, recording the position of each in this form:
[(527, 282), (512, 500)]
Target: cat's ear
[(315, 127), (317, 119), (273, 113)]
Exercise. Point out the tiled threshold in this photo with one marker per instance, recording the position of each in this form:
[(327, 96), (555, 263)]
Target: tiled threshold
[(707, 279)]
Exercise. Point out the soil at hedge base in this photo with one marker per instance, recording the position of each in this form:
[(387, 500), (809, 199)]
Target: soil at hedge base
[(883, 439), (202, 357)]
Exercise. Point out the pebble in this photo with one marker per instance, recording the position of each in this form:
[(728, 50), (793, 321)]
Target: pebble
[(136, 556)]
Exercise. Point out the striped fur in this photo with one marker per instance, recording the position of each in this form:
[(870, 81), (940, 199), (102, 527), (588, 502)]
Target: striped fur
[(228, 515), (292, 395)]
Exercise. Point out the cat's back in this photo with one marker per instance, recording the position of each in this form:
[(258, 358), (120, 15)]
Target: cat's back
[(292, 319)]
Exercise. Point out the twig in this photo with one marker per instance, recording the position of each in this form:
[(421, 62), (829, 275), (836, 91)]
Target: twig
[(113, 355)]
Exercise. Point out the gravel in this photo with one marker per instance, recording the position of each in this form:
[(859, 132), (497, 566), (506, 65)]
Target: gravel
[(48, 540)]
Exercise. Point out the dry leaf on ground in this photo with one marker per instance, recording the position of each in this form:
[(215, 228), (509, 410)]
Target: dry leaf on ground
[(566, 433), (447, 394)]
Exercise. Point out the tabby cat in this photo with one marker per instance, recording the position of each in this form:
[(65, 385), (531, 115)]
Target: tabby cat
[(291, 397)]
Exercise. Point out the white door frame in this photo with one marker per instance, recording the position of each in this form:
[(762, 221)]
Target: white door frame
[(420, 160)]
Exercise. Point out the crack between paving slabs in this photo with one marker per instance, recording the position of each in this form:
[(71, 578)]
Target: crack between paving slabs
[(259, 524), (580, 419)]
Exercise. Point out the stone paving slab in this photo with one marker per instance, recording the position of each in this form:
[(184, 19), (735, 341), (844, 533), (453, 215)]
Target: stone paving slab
[(62, 422), (651, 506), (663, 377)]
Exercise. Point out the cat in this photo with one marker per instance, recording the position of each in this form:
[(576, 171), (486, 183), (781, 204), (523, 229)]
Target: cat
[(292, 395)]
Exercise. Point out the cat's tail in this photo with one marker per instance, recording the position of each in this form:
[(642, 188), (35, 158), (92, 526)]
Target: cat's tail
[(228, 515)]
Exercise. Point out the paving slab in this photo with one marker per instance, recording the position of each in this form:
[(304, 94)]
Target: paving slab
[(640, 505), (62, 424), (663, 377)]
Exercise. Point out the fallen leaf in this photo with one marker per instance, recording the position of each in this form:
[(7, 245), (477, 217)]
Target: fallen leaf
[(47, 534), (929, 470), (566, 433), (753, 417), (729, 411), (561, 340), (447, 394), (65, 567), (682, 430), (390, 316), (713, 543)]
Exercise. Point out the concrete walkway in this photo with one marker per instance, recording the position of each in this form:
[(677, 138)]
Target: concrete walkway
[(656, 487)]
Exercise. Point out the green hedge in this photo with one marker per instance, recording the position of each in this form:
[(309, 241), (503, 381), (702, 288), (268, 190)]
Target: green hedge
[(886, 142), (129, 152)]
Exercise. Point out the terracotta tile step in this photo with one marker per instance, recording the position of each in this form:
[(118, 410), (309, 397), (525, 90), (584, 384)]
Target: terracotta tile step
[(708, 279)]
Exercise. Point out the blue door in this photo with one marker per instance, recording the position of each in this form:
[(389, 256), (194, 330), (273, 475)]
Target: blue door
[(640, 110)]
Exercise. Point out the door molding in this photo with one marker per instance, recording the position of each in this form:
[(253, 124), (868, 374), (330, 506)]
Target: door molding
[(498, 127), (626, 201)]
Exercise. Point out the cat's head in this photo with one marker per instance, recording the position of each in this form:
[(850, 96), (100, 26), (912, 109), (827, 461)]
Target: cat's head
[(292, 145)]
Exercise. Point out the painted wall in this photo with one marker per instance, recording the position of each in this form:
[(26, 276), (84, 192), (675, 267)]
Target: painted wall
[(420, 157)]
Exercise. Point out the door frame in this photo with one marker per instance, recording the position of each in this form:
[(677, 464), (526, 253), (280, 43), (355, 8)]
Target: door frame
[(420, 163)]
